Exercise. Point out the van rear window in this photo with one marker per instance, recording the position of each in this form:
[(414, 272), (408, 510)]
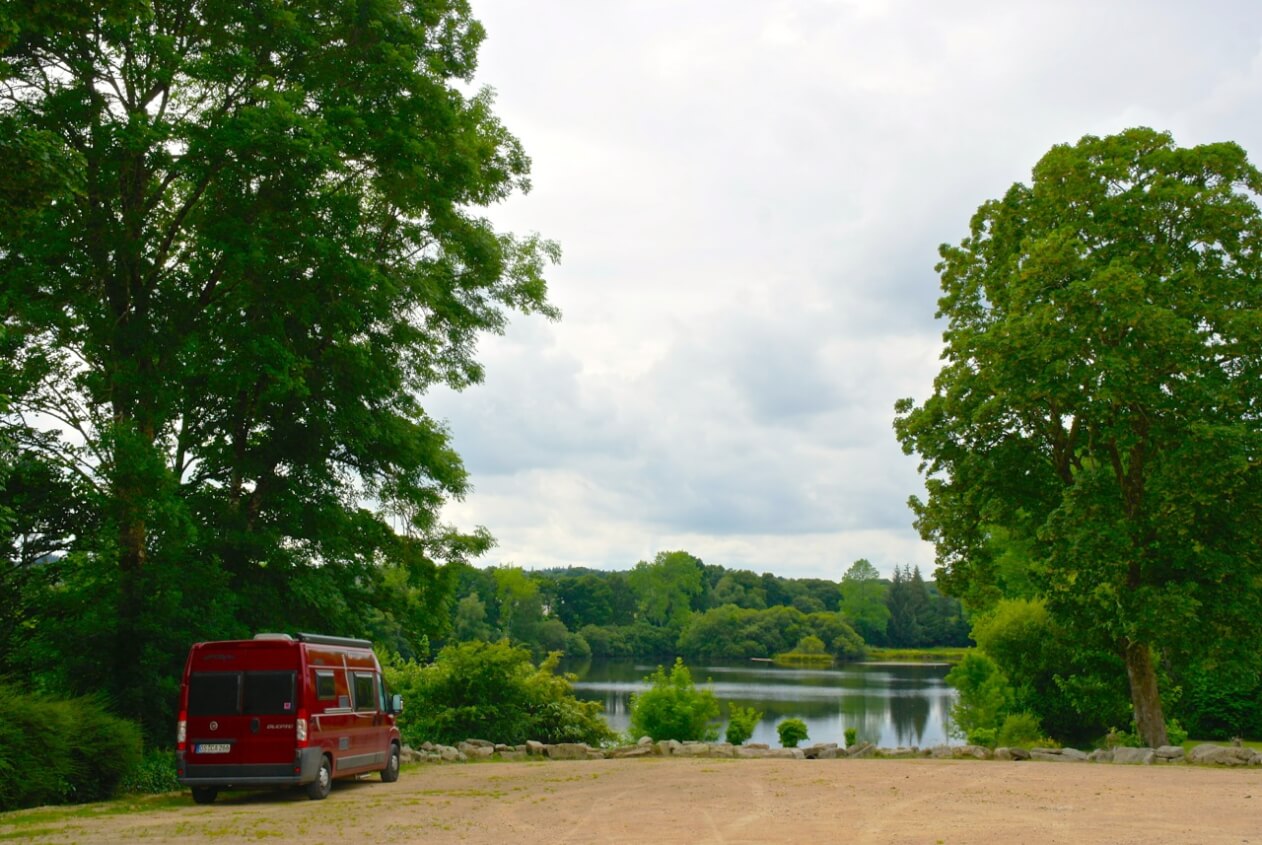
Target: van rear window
[(213, 693), (268, 693), (224, 694)]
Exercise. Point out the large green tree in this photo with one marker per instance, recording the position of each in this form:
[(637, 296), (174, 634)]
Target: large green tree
[(238, 241), (863, 601), (1100, 400), (665, 588)]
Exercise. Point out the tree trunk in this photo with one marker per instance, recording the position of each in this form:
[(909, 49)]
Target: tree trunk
[(1149, 721)]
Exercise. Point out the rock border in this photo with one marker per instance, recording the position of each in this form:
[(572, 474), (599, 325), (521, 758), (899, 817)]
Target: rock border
[(480, 749)]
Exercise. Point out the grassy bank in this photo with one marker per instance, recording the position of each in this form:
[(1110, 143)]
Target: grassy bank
[(916, 655)]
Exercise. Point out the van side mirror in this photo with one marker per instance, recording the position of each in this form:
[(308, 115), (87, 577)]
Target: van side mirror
[(396, 703)]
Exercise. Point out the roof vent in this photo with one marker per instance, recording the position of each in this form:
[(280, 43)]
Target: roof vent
[(285, 637)]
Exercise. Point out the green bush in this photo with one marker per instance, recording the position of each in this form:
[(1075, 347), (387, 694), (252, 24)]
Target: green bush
[(741, 722), (984, 694), (154, 774), (55, 751), (985, 737), (1021, 730), (673, 708), (792, 731), (492, 691), (852, 736)]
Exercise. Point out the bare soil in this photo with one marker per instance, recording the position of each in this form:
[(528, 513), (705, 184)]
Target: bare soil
[(706, 801)]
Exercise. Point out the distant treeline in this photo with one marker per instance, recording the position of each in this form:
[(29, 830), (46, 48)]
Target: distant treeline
[(678, 605)]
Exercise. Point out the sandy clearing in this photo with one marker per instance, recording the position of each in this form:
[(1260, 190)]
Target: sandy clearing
[(717, 801)]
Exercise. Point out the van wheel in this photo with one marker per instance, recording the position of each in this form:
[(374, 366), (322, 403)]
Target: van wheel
[(319, 788), (204, 794), (391, 772)]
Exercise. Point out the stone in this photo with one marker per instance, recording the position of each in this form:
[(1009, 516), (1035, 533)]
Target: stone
[(476, 752), (1004, 754), (567, 751), (786, 754), (941, 752), (692, 749), (1170, 754), (595, 754), (722, 749), (830, 754), (861, 750), (1101, 755), (631, 751), (1218, 755), (1058, 755), (448, 754), (812, 752), (751, 752), (976, 752), (534, 749), (1133, 756), (667, 747), (645, 740), (512, 754), (481, 743)]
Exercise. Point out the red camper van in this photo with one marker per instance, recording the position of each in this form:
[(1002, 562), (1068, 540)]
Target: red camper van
[(282, 710)]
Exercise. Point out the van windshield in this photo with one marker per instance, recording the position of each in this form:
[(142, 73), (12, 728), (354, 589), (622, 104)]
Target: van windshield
[(249, 693)]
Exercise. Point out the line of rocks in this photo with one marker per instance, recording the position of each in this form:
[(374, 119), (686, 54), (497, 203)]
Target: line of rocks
[(480, 749)]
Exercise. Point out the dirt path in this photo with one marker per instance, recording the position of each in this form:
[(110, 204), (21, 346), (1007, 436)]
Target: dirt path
[(710, 801)]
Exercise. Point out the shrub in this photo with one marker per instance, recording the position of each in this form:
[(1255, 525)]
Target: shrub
[(741, 722), (492, 691), (155, 773), (673, 707), (984, 694), (792, 731), (852, 736), (1021, 730), (984, 737), (61, 750)]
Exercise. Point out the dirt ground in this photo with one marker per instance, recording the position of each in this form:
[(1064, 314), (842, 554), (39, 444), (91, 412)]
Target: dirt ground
[(706, 801)]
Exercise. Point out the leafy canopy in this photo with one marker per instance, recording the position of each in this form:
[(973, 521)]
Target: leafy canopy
[(1100, 399), (238, 241)]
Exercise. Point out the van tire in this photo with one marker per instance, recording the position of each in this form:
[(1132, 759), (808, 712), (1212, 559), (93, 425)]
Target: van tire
[(205, 794), (319, 788), (391, 772)]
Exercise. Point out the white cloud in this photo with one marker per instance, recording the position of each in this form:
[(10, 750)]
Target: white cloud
[(750, 197)]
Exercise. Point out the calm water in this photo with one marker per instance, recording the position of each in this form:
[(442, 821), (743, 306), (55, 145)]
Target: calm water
[(888, 704)]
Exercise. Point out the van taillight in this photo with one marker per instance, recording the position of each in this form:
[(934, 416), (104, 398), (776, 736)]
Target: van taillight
[(302, 729), (181, 731)]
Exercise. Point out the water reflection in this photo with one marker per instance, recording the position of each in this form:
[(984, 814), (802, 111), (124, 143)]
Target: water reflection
[(888, 704)]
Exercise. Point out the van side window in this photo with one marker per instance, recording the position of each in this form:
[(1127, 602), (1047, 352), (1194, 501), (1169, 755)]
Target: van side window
[(365, 691), (324, 684)]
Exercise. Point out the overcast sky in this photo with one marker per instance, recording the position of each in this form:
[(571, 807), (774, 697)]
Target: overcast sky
[(750, 197)]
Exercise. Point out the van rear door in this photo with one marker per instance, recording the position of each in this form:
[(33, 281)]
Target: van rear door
[(244, 714)]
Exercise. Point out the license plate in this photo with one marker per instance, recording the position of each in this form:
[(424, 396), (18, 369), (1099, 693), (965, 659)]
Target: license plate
[(212, 748)]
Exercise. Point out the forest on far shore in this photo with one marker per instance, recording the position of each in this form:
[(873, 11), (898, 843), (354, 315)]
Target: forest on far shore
[(678, 605)]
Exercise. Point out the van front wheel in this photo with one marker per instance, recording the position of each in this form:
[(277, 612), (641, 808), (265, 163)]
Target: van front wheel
[(319, 788), (391, 772)]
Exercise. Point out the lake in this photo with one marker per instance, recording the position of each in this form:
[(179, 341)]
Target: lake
[(889, 704)]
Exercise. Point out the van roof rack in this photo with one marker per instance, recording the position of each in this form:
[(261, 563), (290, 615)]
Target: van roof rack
[(323, 639), (273, 637)]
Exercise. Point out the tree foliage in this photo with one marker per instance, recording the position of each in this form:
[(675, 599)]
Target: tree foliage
[(673, 708), (238, 241), (1100, 399), (493, 691), (863, 601)]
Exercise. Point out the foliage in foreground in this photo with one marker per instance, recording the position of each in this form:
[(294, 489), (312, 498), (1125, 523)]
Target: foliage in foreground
[(741, 722), (55, 751), (492, 691), (673, 708), (791, 731)]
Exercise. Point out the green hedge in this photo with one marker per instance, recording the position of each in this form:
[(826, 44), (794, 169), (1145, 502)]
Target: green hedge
[(55, 751)]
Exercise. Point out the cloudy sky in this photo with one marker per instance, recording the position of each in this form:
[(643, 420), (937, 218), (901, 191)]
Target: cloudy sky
[(750, 197)]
